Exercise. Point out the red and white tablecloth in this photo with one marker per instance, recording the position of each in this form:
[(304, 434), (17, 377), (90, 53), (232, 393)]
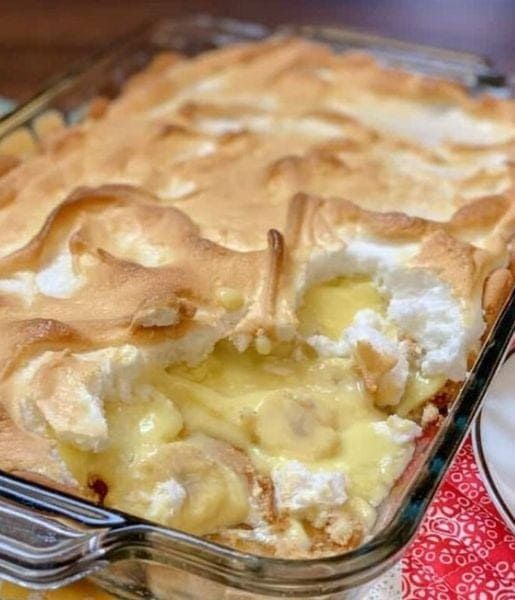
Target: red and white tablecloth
[(464, 551)]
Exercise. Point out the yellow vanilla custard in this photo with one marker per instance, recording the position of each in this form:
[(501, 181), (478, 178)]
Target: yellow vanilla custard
[(281, 409)]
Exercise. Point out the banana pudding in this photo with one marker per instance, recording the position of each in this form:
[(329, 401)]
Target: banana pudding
[(236, 299)]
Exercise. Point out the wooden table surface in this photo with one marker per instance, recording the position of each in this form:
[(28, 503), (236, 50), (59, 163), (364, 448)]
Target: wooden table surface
[(39, 39)]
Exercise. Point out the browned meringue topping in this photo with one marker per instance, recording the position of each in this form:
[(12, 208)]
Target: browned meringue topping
[(201, 205)]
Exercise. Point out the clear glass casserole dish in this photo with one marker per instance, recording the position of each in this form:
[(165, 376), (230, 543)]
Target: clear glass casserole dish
[(49, 539)]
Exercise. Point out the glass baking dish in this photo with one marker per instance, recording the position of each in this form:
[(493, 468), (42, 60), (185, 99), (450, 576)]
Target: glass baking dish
[(49, 539)]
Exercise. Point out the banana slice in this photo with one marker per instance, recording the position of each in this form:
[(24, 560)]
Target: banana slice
[(213, 493), (201, 410), (295, 426), (160, 421)]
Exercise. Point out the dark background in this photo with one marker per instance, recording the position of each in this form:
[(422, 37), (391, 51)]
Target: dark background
[(39, 39)]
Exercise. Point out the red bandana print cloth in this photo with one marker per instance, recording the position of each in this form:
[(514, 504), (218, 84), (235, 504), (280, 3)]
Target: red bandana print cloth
[(464, 551)]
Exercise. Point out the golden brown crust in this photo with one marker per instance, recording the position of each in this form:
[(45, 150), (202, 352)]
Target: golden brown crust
[(7, 163), (24, 452), (458, 263), (498, 286), (116, 291)]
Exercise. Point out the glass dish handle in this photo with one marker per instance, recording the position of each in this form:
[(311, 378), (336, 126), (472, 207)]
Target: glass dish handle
[(48, 539)]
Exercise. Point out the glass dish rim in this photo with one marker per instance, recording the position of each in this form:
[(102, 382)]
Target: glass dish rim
[(375, 555)]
